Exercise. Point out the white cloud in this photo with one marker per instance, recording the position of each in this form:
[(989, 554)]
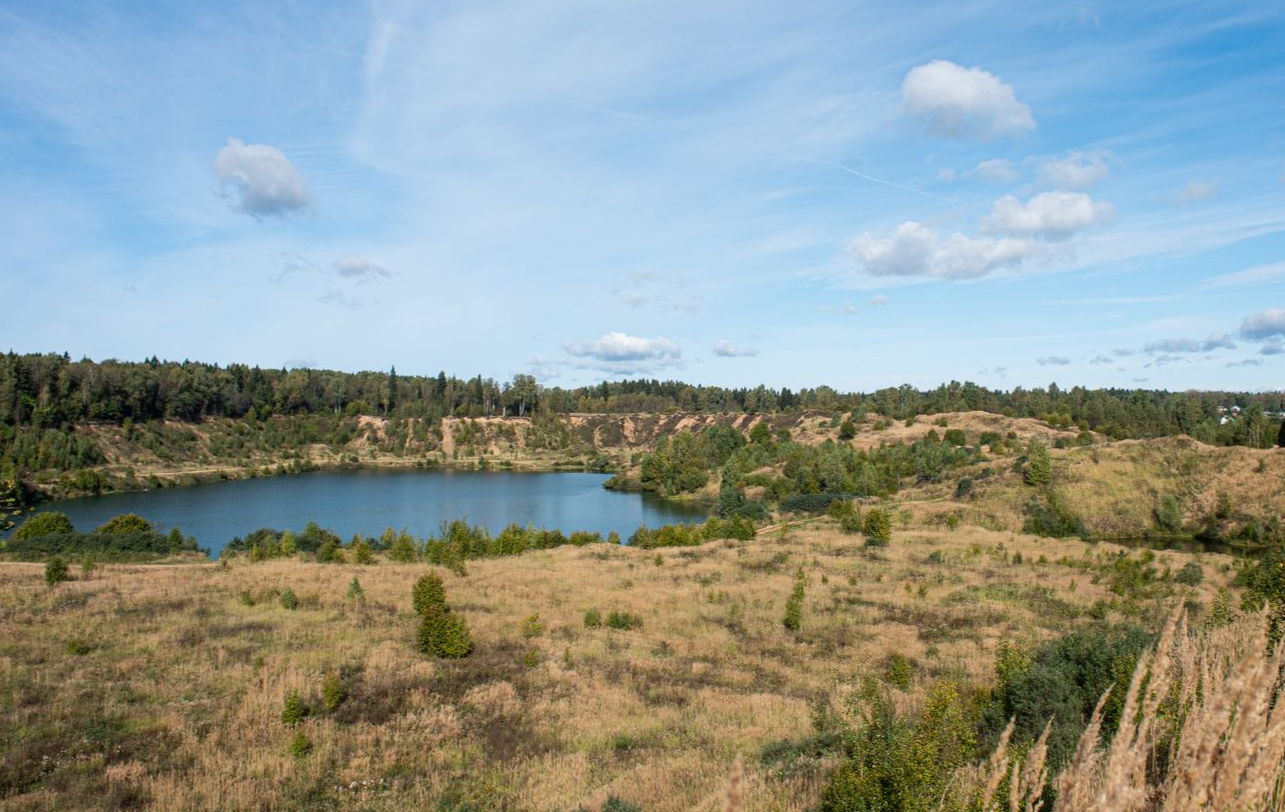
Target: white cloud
[(1216, 341), (1053, 361), (726, 349), (299, 363), (361, 270), (1263, 325), (951, 100), (260, 180), (995, 170), (1051, 215), (1100, 360), (914, 249), (1197, 190), (624, 354), (1273, 348), (878, 300), (1078, 170)]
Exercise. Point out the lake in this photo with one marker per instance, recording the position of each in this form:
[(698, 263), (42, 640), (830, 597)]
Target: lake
[(367, 501)]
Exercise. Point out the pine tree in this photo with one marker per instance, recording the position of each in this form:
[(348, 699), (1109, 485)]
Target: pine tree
[(794, 605), (428, 593), (444, 635), (1039, 469)]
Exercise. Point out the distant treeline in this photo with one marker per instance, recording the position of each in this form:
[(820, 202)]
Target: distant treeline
[(53, 391)]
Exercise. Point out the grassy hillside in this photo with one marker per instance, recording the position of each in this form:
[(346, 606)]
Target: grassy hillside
[(163, 687)]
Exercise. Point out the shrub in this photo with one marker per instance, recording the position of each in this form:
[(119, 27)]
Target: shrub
[(442, 634), (532, 626), (624, 621), (899, 670), (361, 553), (1168, 514), (1052, 518), (403, 549), (289, 600), (592, 619), (56, 571), (300, 746), (964, 488), (329, 552), (124, 524), (1190, 574), (43, 524), (808, 502), (88, 564), (878, 528), (293, 710), (847, 430), (852, 523), (288, 544), (1062, 681), (955, 437), (794, 604), (78, 646), (333, 691), (427, 593)]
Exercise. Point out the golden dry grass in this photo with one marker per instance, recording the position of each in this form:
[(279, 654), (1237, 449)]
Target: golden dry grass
[(177, 703)]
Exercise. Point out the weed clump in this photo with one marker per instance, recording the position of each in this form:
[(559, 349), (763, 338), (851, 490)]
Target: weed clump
[(794, 605), (289, 600), (293, 709), (592, 619), (623, 621)]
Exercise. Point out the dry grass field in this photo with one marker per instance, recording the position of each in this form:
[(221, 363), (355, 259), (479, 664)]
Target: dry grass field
[(162, 687)]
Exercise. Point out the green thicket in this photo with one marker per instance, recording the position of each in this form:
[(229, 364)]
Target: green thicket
[(43, 524), (908, 761), (1264, 585), (878, 528), (691, 535), (123, 538)]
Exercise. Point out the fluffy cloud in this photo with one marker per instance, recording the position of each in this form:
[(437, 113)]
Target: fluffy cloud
[(1265, 324), (624, 354), (1272, 348), (1078, 170), (1051, 215), (1217, 341), (726, 349), (1053, 361), (954, 101), (259, 180), (1197, 190), (914, 249), (361, 270)]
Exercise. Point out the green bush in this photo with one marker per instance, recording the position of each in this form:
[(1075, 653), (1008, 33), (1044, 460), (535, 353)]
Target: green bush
[(333, 691), (878, 528), (293, 710), (1190, 574), (427, 593), (403, 550), (361, 553), (1062, 681), (592, 619), (532, 626), (43, 524), (624, 621), (443, 634), (899, 670), (289, 600), (1168, 515), (955, 437), (78, 646), (135, 547), (56, 571), (126, 524), (1052, 518), (330, 552), (299, 745)]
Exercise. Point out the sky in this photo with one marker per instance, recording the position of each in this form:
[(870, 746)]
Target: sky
[(725, 192)]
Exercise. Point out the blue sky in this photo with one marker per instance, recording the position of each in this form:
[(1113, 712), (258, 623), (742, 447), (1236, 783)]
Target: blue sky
[(723, 192)]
